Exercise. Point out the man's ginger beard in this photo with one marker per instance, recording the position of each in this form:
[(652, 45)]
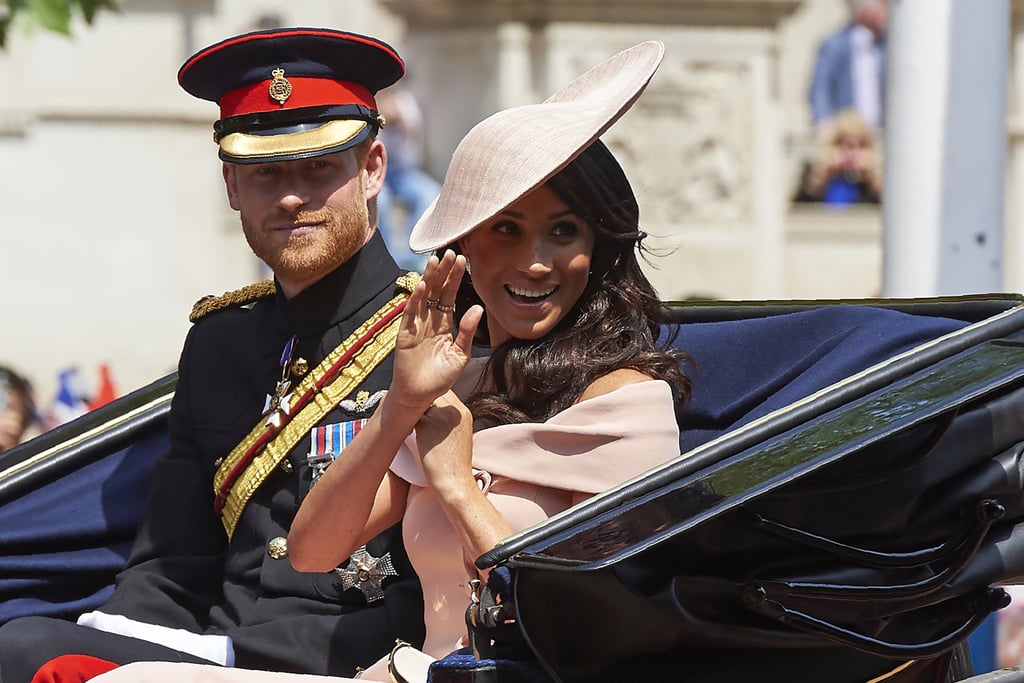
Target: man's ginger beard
[(339, 236)]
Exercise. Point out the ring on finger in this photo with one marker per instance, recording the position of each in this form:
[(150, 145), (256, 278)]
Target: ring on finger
[(436, 303)]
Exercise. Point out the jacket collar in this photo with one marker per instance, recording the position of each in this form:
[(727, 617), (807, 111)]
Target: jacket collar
[(343, 292)]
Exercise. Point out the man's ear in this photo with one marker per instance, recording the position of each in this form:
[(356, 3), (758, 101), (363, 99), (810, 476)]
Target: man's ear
[(375, 167), (231, 185)]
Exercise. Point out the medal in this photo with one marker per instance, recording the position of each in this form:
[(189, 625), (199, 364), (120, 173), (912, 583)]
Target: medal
[(366, 572), (278, 404), (326, 442)]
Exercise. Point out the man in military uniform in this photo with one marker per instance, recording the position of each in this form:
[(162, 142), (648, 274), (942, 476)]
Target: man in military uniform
[(273, 380)]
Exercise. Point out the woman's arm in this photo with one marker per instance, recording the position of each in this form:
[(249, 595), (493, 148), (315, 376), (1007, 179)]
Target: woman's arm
[(444, 435), (357, 497), (445, 438)]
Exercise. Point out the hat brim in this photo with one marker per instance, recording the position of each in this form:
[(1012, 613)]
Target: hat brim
[(511, 153), (276, 145)]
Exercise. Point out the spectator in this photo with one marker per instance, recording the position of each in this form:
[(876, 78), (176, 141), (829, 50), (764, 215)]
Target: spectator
[(17, 408), (850, 68), (408, 189), (846, 170)]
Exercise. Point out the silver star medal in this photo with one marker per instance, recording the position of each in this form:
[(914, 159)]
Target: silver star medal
[(366, 572)]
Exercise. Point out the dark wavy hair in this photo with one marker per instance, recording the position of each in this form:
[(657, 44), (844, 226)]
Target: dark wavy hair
[(615, 324)]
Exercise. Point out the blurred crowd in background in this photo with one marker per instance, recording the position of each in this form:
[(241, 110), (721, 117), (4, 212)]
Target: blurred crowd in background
[(20, 416), (847, 100)]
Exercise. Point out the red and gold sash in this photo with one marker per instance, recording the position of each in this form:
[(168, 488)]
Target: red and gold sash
[(338, 375)]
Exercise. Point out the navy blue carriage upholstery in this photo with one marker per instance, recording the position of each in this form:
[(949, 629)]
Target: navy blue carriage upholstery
[(747, 367), (70, 502)]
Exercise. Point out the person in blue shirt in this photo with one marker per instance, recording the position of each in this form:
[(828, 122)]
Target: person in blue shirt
[(850, 68)]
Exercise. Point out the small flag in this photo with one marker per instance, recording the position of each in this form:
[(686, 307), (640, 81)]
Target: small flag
[(106, 392), (71, 401)]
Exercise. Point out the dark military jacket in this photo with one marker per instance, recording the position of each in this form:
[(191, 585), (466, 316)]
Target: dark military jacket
[(184, 573)]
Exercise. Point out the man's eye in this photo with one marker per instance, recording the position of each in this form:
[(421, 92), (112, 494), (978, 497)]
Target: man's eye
[(323, 163)]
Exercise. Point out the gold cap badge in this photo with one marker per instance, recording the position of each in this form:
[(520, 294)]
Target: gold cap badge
[(280, 88)]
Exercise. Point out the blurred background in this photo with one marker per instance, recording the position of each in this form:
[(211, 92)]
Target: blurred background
[(113, 219)]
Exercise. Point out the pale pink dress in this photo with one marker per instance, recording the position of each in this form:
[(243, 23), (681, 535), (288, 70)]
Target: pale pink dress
[(533, 470)]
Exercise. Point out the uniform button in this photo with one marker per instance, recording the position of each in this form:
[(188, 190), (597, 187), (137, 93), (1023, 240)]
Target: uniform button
[(286, 466), (278, 547)]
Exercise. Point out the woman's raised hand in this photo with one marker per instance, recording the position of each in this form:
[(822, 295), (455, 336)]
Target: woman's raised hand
[(428, 357)]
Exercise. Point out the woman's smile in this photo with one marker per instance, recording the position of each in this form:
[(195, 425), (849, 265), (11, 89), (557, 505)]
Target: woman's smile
[(530, 296)]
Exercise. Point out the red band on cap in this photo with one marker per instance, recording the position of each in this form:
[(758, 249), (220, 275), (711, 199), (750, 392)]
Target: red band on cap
[(306, 92)]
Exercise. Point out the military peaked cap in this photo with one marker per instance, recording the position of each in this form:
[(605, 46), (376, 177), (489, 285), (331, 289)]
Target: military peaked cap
[(292, 93)]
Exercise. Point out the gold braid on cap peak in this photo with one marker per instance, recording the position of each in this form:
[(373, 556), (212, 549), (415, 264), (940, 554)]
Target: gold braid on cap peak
[(237, 297)]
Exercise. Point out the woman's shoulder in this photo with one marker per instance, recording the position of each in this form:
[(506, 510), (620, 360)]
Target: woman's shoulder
[(625, 427), (614, 380)]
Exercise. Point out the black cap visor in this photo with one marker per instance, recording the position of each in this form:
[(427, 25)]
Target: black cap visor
[(293, 134)]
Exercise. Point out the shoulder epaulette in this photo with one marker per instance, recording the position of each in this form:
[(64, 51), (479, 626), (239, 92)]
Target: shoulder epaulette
[(408, 282), (238, 297)]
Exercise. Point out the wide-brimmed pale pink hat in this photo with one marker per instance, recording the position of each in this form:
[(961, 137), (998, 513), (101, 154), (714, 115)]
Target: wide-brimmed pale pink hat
[(514, 151)]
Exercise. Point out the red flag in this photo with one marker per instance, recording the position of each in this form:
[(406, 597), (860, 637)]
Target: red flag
[(106, 391)]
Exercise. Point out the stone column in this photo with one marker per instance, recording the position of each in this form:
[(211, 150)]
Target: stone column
[(946, 147), (1013, 276), (702, 146)]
